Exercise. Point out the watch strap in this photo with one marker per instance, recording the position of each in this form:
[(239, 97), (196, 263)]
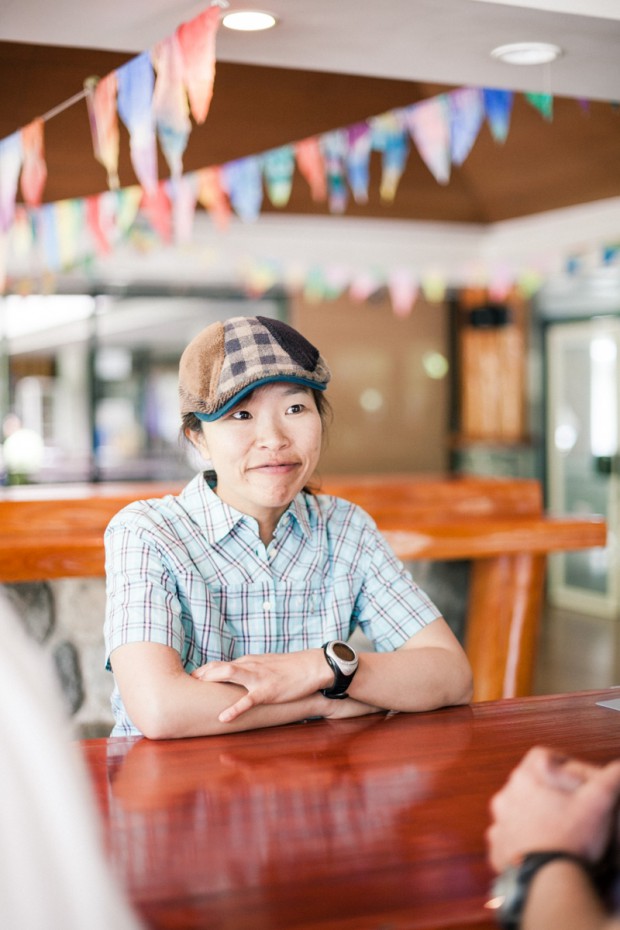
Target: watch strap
[(510, 912), (338, 690)]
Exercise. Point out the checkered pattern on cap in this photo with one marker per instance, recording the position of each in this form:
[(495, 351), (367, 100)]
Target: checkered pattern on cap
[(227, 360)]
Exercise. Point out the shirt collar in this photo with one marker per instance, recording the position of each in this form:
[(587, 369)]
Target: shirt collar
[(217, 519)]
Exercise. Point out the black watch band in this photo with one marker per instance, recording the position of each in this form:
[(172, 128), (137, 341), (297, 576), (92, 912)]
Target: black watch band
[(510, 889), (342, 659)]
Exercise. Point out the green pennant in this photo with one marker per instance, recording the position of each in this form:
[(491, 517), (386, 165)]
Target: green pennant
[(542, 102)]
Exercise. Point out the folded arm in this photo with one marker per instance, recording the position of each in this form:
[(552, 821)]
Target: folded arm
[(163, 701), (430, 670)]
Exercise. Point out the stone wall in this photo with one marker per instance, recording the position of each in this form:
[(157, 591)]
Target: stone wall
[(65, 617)]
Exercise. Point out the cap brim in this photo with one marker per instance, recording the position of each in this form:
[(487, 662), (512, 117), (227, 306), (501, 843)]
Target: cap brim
[(233, 401)]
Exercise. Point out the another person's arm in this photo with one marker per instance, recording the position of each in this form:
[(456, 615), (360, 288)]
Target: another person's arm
[(551, 803)]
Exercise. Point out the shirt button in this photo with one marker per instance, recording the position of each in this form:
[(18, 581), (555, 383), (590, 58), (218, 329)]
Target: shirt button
[(266, 606)]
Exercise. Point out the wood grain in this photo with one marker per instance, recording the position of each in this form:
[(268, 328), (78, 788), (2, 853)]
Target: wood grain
[(372, 823)]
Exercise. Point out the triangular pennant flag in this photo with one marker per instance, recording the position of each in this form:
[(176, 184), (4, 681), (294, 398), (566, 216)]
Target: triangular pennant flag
[(34, 169), (279, 167), (243, 181), (312, 167), (99, 233), (136, 81), (184, 193), (429, 125), (359, 140), (101, 103), (543, 103), (11, 154), (3, 263), (334, 149), (212, 196), (389, 137), (498, 108), (363, 285), (403, 291), (170, 103), (157, 211), (197, 45), (466, 117)]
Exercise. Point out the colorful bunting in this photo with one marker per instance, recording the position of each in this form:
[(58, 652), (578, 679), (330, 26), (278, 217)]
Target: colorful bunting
[(184, 194), (170, 103), (197, 47), (136, 82), (498, 108), (359, 144), (242, 179), (101, 103), (279, 167), (543, 103), (429, 125), (403, 291), (310, 162), (11, 154), (334, 148), (466, 117), (212, 196), (34, 169), (389, 137)]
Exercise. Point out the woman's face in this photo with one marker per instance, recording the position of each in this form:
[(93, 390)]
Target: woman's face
[(264, 450)]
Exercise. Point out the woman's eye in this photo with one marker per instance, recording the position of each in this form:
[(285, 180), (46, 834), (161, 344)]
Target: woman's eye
[(241, 415), (295, 408)]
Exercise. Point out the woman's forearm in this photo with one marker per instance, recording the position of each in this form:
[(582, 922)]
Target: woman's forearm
[(562, 897)]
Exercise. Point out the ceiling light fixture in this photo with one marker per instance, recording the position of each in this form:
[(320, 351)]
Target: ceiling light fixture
[(527, 53), (249, 20)]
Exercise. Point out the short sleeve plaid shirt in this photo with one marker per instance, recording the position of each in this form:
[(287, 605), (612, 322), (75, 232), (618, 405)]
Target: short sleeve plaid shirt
[(190, 572)]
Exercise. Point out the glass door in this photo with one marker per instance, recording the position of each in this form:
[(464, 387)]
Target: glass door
[(583, 360)]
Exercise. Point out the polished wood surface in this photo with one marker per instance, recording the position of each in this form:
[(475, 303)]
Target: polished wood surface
[(365, 824), (58, 532)]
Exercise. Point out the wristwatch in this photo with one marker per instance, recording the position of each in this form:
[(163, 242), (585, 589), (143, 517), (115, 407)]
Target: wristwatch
[(510, 889), (343, 661)]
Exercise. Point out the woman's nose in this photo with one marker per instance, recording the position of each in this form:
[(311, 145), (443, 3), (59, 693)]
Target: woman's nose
[(271, 433)]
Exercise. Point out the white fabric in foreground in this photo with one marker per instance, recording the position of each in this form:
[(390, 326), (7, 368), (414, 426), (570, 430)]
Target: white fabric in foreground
[(54, 873)]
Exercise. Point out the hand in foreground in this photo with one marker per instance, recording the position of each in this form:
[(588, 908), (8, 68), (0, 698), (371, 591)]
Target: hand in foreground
[(551, 802)]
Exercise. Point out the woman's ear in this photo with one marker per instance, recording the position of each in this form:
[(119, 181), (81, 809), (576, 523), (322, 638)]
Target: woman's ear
[(197, 439)]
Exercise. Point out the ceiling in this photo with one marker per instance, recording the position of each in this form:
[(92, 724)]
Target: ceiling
[(330, 64)]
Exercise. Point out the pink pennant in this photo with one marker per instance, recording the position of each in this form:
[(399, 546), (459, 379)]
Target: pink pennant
[(170, 103), (157, 209), (34, 169), (310, 163), (429, 125), (101, 102), (212, 196), (96, 226), (403, 291), (197, 46)]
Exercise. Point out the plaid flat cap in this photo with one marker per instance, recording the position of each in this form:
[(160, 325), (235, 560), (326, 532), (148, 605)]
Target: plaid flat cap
[(229, 359)]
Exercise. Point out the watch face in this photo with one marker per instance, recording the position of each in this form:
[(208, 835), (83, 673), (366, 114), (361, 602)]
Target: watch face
[(343, 652)]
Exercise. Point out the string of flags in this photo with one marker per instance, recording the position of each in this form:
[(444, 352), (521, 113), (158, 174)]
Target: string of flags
[(154, 95)]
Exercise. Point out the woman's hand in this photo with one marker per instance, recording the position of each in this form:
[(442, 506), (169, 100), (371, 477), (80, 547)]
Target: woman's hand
[(551, 802), (272, 678)]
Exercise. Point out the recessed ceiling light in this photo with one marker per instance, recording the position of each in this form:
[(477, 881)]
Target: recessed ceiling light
[(249, 20), (527, 53)]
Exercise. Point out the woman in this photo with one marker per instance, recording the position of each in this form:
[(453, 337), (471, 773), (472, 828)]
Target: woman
[(229, 605)]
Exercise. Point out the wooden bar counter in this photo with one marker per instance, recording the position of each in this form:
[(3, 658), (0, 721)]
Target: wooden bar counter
[(498, 524), (367, 824)]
